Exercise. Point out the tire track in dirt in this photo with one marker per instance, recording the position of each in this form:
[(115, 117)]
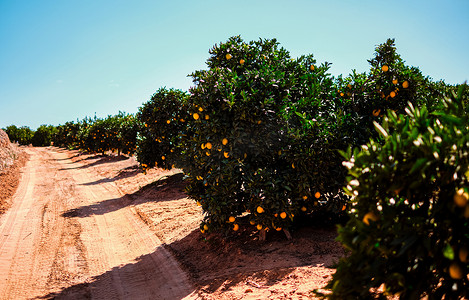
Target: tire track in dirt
[(66, 237), (31, 231)]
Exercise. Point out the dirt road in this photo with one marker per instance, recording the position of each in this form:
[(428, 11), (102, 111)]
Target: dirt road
[(66, 236)]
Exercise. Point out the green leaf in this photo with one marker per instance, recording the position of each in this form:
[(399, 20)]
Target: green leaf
[(448, 252), (418, 164)]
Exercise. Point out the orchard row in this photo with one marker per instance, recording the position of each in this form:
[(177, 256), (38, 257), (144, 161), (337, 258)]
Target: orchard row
[(262, 137)]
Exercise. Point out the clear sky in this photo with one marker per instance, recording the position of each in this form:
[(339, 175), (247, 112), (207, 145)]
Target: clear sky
[(64, 60)]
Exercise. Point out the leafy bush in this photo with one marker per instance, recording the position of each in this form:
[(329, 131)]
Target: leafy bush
[(408, 232), (163, 120)]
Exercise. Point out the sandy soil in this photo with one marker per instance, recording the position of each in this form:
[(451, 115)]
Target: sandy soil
[(69, 235), (85, 226)]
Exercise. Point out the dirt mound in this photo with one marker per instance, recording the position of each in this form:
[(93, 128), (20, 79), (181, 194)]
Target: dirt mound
[(4, 140), (11, 160), (8, 152)]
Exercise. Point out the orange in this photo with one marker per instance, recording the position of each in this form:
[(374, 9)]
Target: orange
[(235, 227), (231, 219), (283, 215), (456, 271), (461, 198), (370, 216), (293, 165), (207, 117), (228, 56), (405, 84), (259, 226), (201, 109), (392, 94), (311, 67), (385, 68), (224, 141), (162, 158), (260, 210), (303, 208), (278, 228), (207, 153), (208, 145), (226, 154), (196, 116), (394, 81), (341, 94), (199, 204), (241, 61), (317, 195), (168, 121), (376, 112), (464, 254), (305, 197), (205, 227), (202, 146), (252, 222)]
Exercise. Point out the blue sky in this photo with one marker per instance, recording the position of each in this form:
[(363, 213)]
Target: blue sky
[(64, 60)]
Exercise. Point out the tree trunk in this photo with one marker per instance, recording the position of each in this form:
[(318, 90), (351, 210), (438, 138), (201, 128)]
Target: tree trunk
[(262, 233)]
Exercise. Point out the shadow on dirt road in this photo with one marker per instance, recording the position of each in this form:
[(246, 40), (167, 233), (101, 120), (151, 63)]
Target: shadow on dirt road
[(166, 189)]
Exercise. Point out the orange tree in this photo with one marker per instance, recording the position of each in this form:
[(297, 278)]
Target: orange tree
[(128, 130), (256, 116), (104, 134), (22, 135), (43, 135), (163, 122), (389, 85), (67, 135), (408, 231)]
